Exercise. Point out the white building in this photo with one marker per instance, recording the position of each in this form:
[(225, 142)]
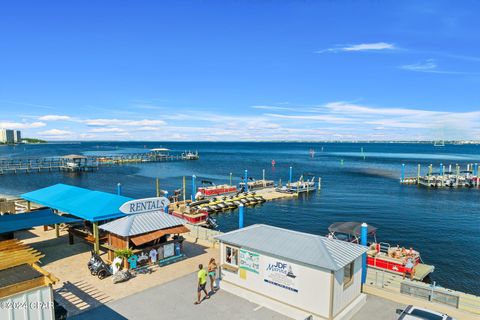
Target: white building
[(297, 274), (7, 136), (17, 136)]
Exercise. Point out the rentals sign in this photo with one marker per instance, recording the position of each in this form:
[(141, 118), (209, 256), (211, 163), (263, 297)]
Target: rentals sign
[(145, 205)]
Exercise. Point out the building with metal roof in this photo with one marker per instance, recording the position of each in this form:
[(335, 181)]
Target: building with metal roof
[(298, 274), (143, 232), (135, 224), (304, 248), (87, 204), (22, 221), (24, 283)]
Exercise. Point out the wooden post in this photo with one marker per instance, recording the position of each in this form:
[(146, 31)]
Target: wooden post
[(96, 245), (57, 231), (28, 206), (184, 188), (319, 183), (158, 187)]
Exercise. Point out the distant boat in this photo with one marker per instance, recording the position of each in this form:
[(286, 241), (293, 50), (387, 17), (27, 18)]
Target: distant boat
[(439, 143), (190, 155)]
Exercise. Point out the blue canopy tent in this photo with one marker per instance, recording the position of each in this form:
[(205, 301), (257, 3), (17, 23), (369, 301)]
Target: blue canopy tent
[(22, 221), (87, 204)]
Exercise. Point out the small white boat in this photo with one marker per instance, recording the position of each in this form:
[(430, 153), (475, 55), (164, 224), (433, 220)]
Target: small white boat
[(302, 186)]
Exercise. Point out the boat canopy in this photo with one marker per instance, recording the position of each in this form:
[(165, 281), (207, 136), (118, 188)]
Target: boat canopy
[(352, 228), (160, 150)]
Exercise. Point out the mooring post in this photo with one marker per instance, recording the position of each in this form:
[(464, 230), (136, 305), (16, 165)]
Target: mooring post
[(245, 181), (363, 242), (418, 173), (230, 178), (441, 169), (263, 177), (241, 208), (184, 188), (290, 173), (157, 187), (403, 173), (193, 187), (165, 209), (119, 189), (319, 183), (96, 244)]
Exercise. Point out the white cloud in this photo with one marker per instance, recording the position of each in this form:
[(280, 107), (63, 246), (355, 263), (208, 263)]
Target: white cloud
[(87, 136), (55, 132), (376, 46), (122, 122), (429, 66), (271, 108), (147, 128), (101, 130), (21, 125), (54, 117)]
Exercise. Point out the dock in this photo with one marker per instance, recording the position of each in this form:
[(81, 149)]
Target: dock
[(445, 177), (390, 286), (80, 163)]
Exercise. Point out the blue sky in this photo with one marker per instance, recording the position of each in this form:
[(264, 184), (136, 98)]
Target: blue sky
[(240, 70)]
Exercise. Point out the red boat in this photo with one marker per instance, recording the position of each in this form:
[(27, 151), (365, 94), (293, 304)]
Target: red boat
[(381, 255), (217, 190)]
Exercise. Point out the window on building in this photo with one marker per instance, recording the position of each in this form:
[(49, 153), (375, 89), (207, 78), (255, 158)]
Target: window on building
[(231, 255), (348, 275)]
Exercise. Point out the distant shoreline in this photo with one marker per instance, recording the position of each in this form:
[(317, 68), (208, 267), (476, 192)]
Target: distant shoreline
[(447, 142)]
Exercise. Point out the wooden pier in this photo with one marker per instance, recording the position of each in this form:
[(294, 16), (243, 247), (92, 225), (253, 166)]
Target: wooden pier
[(445, 178), (79, 163)]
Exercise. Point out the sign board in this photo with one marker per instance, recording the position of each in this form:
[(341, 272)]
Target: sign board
[(249, 261), (168, 250), (145, 205), (281, 274)]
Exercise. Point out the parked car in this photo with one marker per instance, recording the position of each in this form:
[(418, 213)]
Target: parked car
[(416, 313)]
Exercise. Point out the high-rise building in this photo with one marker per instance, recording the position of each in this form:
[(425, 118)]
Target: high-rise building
[(7, 136), (17, 136)]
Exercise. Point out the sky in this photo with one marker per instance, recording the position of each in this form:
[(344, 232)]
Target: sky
[(240, 70)]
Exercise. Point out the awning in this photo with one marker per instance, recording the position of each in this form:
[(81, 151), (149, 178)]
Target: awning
[(21, 221), (352, 228), (84, 203), (144, 238)]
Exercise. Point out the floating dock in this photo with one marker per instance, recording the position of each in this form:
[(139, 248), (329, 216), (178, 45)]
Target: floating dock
[(445, 177)]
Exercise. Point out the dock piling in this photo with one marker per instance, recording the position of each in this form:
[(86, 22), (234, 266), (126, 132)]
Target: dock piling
[(402, 177), (157, 186), (119, 189), (241, 208), (363, 242), (245, 181), (184, 188), (193, 187), (290, 173)]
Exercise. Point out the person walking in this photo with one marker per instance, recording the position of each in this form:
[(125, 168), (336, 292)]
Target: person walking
[(212, 270), (202, 282)]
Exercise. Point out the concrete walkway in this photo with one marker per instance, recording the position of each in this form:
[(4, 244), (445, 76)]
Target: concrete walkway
[(378, 308), (174, 300)]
